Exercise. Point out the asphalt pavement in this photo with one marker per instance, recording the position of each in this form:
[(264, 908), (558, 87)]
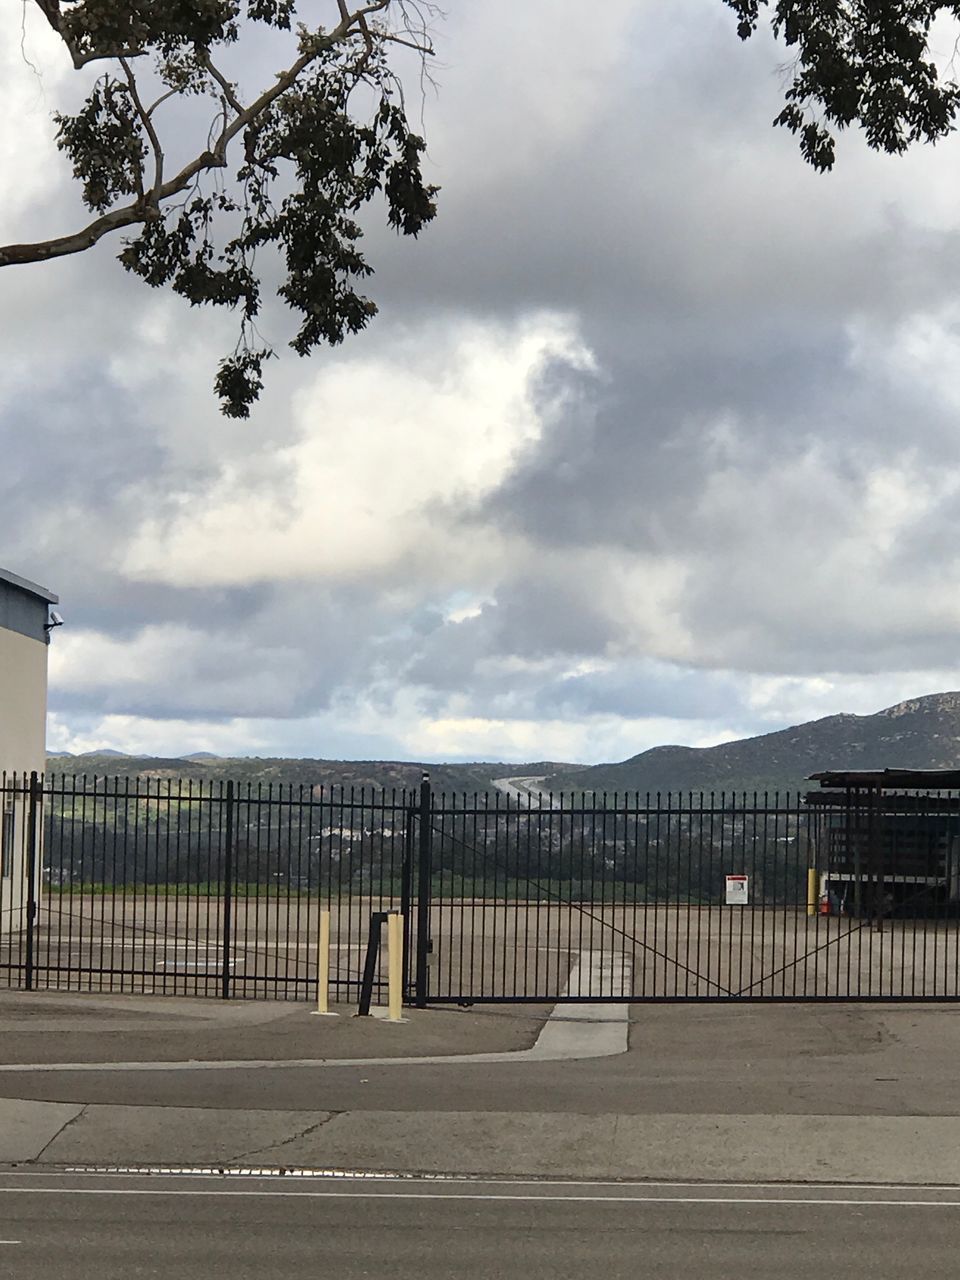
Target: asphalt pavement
[(829, 1060), (57, 1026), (111, 1228), (712, 1140), (703, 1092)]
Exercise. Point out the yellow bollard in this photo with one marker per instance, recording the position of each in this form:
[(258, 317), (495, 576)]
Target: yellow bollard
[(323, 968), (813, 890), (395, 967)]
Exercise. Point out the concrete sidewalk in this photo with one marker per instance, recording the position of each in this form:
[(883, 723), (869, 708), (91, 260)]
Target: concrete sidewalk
[(883, 1149)]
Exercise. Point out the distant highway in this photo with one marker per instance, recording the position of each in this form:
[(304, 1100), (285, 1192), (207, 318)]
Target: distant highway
[(524, 790)]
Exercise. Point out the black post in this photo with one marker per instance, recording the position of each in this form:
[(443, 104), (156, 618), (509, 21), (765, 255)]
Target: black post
[(227, 897), (424, 879), (406, 896), (875, 796), (370, 962), (32, 811)]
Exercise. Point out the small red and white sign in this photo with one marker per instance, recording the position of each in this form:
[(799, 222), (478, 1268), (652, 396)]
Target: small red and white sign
[(738, 891)]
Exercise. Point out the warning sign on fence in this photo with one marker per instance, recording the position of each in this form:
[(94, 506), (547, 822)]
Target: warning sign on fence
[(738, 891)]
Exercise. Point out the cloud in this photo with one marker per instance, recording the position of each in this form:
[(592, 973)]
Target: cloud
[(33, 77), (654, 438), (387, 447)]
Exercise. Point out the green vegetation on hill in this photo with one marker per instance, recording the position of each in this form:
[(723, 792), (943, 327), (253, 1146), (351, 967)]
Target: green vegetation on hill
[(452, 779)]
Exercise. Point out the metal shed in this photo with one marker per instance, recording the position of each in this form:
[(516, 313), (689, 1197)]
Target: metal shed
[(889, 841)]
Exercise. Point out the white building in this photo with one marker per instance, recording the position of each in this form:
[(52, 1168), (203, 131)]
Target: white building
[(25, 624)]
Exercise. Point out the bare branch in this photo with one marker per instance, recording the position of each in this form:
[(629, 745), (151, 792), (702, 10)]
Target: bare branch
[(375, 6), (228, 90), (16, 254), (410, 44), (148, 126), (171, 93)]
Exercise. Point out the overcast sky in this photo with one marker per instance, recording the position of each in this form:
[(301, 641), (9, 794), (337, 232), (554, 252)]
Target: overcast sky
[(655, 440)]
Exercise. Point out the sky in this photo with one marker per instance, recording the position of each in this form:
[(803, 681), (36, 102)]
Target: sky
[(655, 438)]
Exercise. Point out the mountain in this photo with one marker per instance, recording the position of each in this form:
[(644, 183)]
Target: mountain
[(922, 733)]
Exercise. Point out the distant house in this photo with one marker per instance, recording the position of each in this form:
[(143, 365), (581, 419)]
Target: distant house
[(25, 623)]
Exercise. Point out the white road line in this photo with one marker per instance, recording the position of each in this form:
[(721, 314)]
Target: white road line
[(348, 1194), (398, 1178), (445, 1179)]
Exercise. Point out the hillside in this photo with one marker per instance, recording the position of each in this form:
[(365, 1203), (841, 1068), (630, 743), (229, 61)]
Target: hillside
[(922, 733), (450, 778)]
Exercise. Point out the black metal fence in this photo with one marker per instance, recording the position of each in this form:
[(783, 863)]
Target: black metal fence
[(154, 884), (187, 888)]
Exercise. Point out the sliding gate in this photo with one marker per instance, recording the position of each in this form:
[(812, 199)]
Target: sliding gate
[(847, 895)]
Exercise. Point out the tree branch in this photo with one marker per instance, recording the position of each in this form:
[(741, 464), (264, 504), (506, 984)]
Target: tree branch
[(16, 254), (81, 60), (228, 90), (215, 157), (51, 11), (142, 210), (410, 44), (148, 126), (171, 93)]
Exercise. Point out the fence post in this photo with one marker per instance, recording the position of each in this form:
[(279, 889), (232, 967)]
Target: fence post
[(406, 894), (424, 881), (33, 807), (227, 897)]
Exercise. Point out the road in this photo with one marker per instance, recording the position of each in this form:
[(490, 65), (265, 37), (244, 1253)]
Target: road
[(528, 792), (103, 1227)]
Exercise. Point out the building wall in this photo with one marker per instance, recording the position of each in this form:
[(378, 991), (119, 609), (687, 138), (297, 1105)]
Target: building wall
[(23, 708), (23, 702)]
